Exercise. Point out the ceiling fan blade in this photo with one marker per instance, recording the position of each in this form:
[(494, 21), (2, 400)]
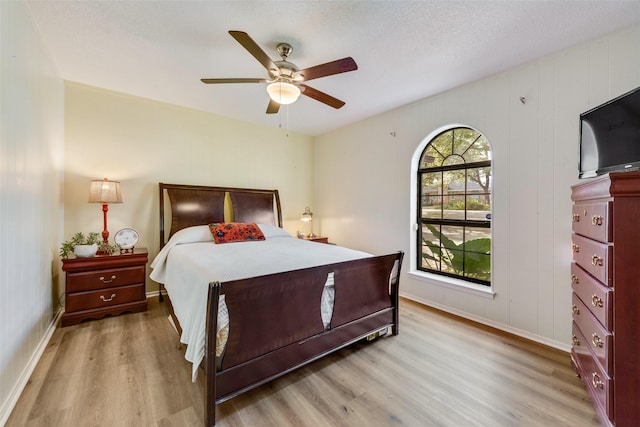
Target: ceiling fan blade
[(216, 81), (255, 50), (273, 107), (321, 96), (330, 68)]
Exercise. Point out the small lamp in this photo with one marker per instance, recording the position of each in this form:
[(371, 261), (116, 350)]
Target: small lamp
[(283, 92), (307, 216), (105, 192)]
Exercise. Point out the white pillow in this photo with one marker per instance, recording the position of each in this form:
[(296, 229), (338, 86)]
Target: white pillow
[(272, 231), (197, 233)]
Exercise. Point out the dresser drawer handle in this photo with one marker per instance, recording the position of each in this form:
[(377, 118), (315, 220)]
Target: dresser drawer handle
[(108, 281), (575, 341), (575, 309), (575, 248), (596, 260), (596, 301), (595, 380), (575, 217), (107, 300), (596, 220), (596, 340), (574, 279)]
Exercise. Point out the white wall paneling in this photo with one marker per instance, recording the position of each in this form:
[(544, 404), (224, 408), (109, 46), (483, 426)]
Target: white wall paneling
[(535, 148), (31, 161)]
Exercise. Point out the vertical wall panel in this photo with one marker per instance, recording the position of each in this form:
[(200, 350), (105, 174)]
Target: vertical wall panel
[(496, 106), (545, 197), (623, 61), (523, 210)]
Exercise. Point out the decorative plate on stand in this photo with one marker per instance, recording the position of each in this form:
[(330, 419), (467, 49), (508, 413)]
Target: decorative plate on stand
[(126, 239)]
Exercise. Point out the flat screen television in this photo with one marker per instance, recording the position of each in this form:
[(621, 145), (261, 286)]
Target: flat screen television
[(610, 136)]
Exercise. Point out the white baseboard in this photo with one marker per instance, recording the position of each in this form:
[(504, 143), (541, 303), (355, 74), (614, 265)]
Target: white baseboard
[(23, 379), (506, 328)]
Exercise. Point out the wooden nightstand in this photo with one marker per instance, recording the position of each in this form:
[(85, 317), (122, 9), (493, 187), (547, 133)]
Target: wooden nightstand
[(104, 284), (318, 239)]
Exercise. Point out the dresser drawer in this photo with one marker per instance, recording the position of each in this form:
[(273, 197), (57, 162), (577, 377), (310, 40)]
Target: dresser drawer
[(100, 279), (594, 257), (593, 220), (599, 384), (594, 295), (104, 298), (599, 340)]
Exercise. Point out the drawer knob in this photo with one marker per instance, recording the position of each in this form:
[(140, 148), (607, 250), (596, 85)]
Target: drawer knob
[(575, 341), (596, 220), (596, 301), (574, 279), (596, 340), (596, 260), (575, 217), (109, 299), (102, 279), (596, 381), (575, 309), (575, 248)]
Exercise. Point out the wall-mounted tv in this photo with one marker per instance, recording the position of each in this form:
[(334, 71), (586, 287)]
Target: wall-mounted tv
[(610, 136)]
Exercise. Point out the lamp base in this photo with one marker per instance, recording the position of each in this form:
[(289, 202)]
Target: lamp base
[(311, 236)]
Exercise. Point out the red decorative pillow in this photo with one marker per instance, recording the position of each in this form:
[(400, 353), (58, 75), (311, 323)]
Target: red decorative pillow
[(226, 232)]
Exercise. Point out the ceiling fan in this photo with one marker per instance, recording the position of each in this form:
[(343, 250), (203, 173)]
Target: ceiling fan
[(286, 80)]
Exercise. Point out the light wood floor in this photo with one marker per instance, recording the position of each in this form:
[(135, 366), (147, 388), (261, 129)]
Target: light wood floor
[(440, 371)]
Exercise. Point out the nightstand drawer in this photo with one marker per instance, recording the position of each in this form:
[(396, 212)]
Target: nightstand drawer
[(104, 297), (100, 279)]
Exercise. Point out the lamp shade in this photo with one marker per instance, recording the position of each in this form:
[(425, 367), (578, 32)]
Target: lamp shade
[(307, 215), (283, 93), (105, 191)]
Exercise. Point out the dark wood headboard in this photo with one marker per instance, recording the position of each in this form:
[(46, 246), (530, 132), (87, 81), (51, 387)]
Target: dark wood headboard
[(200, 205)]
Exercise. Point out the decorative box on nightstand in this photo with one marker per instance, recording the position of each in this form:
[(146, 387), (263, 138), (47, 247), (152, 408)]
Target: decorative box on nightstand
[(104, 284)]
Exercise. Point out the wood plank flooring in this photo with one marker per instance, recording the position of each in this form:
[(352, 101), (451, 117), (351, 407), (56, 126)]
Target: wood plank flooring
[(440, 371)]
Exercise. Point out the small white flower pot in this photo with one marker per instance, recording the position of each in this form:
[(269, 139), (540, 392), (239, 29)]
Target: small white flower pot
[(85, 251)]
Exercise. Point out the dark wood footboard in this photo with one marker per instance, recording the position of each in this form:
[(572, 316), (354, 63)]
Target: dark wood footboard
[(276, 326)]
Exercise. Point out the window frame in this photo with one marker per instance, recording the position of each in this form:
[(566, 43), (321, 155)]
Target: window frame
[(420, 221)]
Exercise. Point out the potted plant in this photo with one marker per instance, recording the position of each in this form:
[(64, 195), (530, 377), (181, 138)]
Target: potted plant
[(85, 246)]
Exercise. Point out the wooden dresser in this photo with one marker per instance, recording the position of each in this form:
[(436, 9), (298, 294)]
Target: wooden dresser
[(104, 284), (605, 278)]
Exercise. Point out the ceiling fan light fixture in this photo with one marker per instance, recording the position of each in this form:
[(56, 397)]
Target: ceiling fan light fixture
[(283, 93)]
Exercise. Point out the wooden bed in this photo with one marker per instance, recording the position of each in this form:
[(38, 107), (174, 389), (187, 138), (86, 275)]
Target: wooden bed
[(366, 297)]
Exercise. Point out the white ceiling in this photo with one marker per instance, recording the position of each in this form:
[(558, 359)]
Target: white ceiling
[(405, 50)]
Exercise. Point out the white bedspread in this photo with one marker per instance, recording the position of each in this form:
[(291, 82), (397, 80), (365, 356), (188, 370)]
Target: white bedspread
[(191, 260)]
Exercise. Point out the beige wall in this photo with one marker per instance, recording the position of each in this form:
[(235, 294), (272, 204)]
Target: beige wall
[(363, 179), (141, 143), (31, 161)]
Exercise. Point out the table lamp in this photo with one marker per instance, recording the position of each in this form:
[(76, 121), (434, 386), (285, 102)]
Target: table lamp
[(307, 216), (105, 192)]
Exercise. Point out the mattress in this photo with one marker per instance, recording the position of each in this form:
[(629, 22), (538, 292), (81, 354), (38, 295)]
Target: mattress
[(191, 260)]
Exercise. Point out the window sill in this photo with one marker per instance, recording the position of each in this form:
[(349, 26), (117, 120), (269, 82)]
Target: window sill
[(455, 284)]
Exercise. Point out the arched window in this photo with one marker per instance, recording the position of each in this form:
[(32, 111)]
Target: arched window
[(454, 206)]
